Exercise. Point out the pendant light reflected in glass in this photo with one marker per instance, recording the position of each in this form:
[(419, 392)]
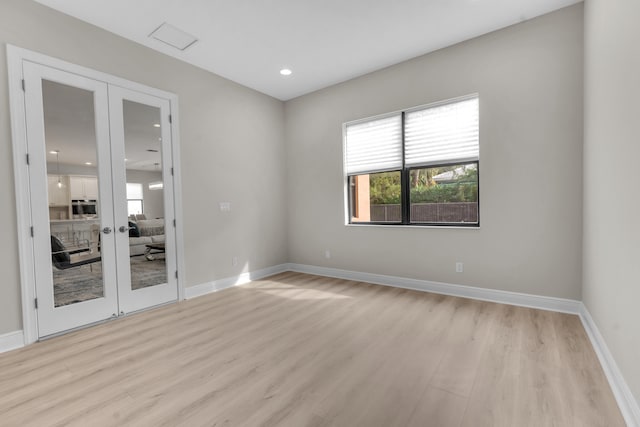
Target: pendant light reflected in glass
[(58, 168)]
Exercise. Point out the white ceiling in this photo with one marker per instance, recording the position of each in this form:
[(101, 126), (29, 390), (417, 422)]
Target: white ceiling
[(324, 41)]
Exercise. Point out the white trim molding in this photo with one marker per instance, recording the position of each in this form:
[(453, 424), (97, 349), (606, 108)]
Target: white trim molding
[(229, 282), (504, 297), (626, 401), (23, 203), (11, 341)]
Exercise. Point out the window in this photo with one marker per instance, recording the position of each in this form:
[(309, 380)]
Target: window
[(134, 199), (416, 167)]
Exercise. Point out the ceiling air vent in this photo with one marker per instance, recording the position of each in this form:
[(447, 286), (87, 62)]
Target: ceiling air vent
[(175, 37)]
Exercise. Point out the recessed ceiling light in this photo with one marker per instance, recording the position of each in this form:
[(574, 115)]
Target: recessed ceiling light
[(286, 72), (156, 125), (54, 152), (126, 160), (88, 163)]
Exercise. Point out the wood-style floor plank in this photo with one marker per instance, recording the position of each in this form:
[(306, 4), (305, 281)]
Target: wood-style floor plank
[(303, 350)]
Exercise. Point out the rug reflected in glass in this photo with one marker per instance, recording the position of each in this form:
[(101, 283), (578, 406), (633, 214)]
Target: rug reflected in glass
[(85, 282)]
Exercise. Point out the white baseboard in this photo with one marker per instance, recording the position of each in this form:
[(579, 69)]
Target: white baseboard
[(228, 282), (504, 297), (627, 403), (11, 341)]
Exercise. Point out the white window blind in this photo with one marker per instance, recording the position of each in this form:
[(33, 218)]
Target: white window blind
[(447, 132), (374, 146), (134, 191)]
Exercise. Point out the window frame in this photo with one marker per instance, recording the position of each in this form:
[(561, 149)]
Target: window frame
[(135, 200), (353, 199), (442, 224), (405, 172)]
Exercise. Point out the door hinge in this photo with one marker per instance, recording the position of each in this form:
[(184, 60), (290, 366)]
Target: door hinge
[(174, 222), (171, 171), (28, 159), (24, 86), (31, 231), (176, 274), (35, 301), (170, 119)]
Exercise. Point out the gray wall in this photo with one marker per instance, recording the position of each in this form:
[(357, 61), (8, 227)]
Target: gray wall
[(529, 78), (232, 149), (611, 196)]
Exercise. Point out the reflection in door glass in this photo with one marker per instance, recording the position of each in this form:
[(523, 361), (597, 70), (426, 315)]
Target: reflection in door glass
[(145, 194), (70, 140)]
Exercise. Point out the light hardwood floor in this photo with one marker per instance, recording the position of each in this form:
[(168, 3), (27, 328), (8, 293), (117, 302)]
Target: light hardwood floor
[(300, 350)]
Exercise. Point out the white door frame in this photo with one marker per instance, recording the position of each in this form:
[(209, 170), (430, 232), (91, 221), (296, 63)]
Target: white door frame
[(15, 58)]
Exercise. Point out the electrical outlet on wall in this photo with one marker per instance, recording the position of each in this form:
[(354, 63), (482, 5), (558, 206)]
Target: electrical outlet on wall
[(327, 254), (225, 206), (459, 267)]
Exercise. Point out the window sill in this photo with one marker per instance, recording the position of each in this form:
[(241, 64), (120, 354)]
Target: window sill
[(436, 227)]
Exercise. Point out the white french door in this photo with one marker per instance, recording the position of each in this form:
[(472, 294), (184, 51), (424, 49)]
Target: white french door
[(97, 252), (135, 151)]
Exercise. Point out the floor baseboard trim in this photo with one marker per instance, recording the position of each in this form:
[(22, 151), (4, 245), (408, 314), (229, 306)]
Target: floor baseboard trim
[(229, 282), (626, 402), (11, 341), (504, 297)]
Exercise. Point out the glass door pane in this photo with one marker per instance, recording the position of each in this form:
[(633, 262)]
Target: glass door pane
[(145, 194), (72, 178)]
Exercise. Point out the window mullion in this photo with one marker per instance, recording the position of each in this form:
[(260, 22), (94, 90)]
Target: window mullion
[(404, 181)]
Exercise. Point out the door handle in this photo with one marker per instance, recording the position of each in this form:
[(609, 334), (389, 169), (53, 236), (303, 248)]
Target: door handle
[(123, 229), (106, 230)]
